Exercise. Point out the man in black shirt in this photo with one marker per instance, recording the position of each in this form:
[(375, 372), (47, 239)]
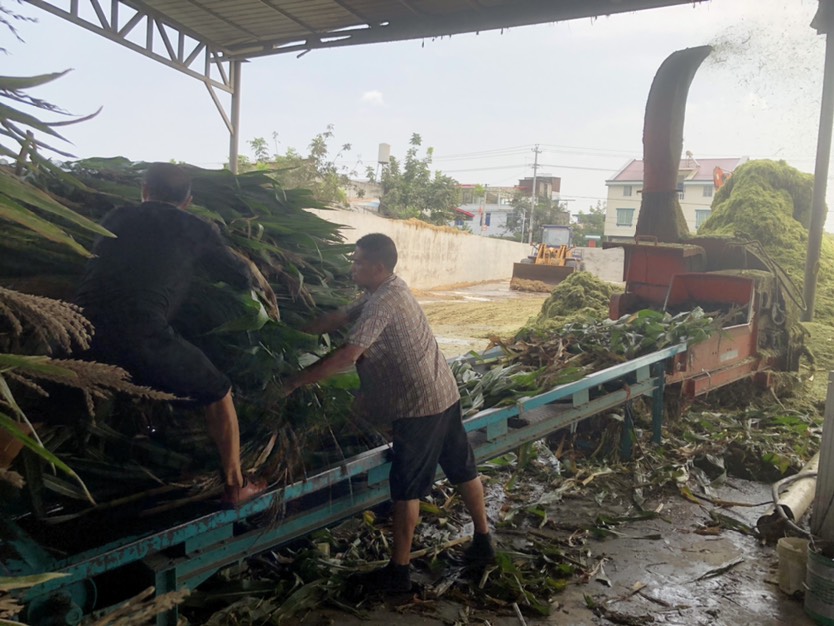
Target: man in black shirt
[(132, 290)]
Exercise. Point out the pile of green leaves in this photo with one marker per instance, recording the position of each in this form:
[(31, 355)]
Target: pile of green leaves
[(544, 357), (305, 262)]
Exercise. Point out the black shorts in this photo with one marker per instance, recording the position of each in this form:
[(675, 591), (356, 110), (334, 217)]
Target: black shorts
[(420, 443), (163, 360)]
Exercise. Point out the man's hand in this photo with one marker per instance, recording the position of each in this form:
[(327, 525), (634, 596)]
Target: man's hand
[(338, 361)]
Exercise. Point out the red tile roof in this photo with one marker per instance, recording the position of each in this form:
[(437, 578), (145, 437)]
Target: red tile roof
[(700, 169), (464, 211)]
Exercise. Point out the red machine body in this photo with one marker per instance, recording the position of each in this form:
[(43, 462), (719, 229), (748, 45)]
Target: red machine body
[(730, 280)]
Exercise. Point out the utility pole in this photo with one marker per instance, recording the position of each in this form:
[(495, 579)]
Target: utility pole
[(536, 151)]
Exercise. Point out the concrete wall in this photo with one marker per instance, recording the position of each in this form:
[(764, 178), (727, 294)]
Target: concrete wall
[(430, 257), (604, 264)]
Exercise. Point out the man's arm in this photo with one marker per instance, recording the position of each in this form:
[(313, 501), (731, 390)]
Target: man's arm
[(327, 323), (338, 361), (335, 320)]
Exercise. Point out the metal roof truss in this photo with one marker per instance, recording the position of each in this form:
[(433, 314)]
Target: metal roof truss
[(145, 32)]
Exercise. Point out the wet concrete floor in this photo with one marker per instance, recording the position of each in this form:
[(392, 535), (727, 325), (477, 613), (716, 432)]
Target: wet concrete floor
[(684, 578)]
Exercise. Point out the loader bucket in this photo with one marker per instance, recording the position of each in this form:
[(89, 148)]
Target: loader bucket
[(549, 274)]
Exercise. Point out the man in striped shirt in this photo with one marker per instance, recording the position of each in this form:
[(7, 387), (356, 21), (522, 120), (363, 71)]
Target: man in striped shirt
[(405, 383)]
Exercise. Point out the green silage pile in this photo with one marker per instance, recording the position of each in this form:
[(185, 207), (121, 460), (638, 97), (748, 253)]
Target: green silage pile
[(770, 202), (579, 298), (581, 293)]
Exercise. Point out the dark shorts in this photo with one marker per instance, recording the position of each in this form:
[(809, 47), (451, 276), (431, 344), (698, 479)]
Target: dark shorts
[(420, 443), (163, 360)]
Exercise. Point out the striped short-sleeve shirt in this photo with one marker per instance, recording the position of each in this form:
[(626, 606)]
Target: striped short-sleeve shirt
[(402, 371)]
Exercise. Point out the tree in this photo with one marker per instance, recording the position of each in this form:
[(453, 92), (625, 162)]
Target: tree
[(316, 171), (591, 223), (547, 211), (410, 190)]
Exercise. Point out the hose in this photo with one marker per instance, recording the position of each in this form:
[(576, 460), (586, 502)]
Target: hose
[(777, 486)]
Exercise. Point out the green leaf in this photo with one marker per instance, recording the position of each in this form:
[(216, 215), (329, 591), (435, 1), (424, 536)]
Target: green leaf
[(25, 582), (17, 83), (10, 425), (24, 192), (13, 212), (35, 364), (254, 317)]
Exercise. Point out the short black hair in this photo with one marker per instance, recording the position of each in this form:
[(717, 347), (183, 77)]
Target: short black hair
[(381, 248), (166, 182)]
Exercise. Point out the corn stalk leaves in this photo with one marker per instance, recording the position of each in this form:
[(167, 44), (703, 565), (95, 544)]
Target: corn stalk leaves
[(11, 583), (261, 220), (14, 212), (10, 425), (35, 365), (253, 318), (13, 187), (543, 358), (17, 83)]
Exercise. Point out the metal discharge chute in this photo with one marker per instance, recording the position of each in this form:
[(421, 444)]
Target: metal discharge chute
[(660, 213)]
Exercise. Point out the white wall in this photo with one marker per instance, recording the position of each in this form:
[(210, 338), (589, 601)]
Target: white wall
[(498, 219), (431, 257), (617, 200), (693, 200), (605, 264)]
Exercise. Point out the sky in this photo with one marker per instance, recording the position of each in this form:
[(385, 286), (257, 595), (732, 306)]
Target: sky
[(576, 89)]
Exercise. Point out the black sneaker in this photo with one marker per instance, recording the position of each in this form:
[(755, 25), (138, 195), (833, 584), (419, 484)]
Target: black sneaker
[(392, 578), (480, 552)]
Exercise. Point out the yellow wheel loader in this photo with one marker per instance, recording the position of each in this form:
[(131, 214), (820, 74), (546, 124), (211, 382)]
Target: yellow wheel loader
[(553, 260)]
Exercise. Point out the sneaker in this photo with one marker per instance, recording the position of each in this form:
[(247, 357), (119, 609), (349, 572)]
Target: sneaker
[(389, 579), (480, 552), (233, 497)]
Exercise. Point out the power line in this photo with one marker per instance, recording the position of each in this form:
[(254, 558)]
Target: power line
[(482, 154), (616, 150), (578, 167), (506, 167), (494, 167)]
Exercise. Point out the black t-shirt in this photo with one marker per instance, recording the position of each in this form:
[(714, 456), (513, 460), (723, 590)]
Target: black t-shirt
[(140, 278)]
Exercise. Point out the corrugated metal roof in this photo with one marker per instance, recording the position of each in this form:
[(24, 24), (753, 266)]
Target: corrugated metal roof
[(250, 28), (700, 170)]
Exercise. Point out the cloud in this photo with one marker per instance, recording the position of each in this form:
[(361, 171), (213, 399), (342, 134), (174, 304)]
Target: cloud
[(373, 98)]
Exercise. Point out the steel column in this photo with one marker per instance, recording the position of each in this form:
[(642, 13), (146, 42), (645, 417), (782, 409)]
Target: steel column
[(824, 23), (234, 131)]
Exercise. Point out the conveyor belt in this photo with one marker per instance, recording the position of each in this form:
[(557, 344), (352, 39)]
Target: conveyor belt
[(188, 553)]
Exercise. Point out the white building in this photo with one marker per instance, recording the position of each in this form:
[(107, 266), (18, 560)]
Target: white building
[(696, 186), (484, 210)]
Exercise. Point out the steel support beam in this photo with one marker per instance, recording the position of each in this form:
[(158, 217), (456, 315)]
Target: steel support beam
[(824, 23), (166, 43), (234, 131), (112, 24), (522, 13)]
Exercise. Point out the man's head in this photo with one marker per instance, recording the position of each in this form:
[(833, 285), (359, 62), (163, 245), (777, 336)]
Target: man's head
[(374, 260), (166, 182)]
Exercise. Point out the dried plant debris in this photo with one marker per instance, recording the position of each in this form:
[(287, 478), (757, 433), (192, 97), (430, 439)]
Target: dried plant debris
[(536, 559)]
